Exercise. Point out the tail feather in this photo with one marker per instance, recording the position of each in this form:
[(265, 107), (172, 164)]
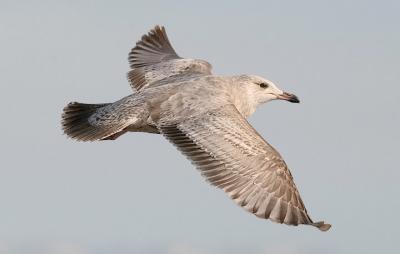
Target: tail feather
[(75, 122)]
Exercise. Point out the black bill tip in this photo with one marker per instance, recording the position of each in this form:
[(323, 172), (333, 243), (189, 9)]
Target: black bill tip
[(289, 97)]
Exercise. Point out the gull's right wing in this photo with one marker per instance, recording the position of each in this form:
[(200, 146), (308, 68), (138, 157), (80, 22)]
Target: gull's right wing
[(231, 155), (153, 59)]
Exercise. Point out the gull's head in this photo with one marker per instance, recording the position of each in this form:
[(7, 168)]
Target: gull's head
[(261, 90)]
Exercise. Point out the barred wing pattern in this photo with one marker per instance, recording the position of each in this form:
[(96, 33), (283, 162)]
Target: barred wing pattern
[(153, 59), (232, 156), (153, 48)]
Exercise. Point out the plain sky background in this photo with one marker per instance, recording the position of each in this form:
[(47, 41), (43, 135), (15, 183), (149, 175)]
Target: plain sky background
[(138, 194)]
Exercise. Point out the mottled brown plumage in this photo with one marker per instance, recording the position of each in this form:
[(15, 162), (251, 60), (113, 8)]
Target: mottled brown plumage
[(204, 116)]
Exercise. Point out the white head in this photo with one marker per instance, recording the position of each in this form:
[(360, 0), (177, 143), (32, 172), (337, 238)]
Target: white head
[(261, 90)]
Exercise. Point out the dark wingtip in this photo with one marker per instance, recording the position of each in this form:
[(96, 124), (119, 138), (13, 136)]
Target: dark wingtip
[(322, 226), (294, 99)]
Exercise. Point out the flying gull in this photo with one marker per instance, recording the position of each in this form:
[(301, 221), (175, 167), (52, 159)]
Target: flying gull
[(204, 116)]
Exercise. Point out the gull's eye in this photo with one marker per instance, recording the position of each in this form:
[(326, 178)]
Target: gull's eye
[(263, 85)]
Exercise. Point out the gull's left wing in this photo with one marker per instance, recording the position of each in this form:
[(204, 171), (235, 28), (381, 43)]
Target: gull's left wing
[(153, 59)]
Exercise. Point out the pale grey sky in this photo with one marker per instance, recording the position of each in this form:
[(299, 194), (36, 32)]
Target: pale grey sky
[(138, 194)]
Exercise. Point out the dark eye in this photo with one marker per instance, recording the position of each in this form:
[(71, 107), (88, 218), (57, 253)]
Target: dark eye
[(263, 85)]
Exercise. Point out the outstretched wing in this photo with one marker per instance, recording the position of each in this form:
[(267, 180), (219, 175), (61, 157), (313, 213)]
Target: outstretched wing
[(153, 59), (232, 156)]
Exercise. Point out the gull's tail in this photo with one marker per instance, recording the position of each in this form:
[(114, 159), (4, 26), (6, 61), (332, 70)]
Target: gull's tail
[(75, 122)]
